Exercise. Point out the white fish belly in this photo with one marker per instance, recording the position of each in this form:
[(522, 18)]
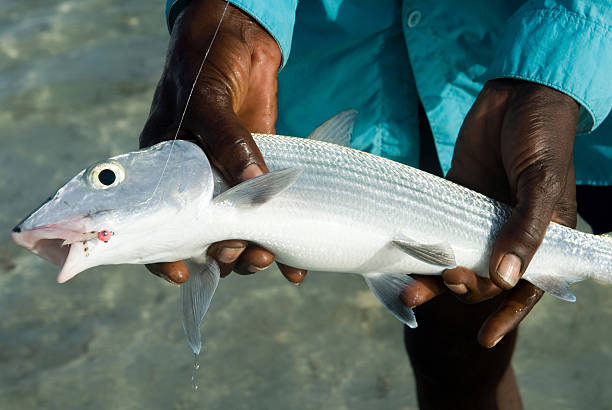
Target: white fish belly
[(318, 240)]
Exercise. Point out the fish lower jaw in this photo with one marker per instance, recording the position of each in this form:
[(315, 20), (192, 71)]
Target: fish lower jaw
[(74, 263), (56, 243)]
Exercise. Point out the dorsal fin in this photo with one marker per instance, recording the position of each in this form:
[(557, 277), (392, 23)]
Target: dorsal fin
[(337, 130)]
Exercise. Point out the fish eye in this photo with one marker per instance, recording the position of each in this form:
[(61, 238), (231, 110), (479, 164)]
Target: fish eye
[(105, 175)]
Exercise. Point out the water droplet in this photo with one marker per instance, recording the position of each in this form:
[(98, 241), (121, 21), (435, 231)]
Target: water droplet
[(196, 367)]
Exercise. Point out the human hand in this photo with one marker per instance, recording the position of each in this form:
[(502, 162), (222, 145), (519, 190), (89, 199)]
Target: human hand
[(235, 95), (515, 145)]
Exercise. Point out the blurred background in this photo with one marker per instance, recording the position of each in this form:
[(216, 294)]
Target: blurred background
[(76, 82)]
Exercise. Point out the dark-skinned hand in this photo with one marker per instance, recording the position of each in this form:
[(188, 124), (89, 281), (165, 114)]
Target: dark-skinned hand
[(515, 145), (235, 95)]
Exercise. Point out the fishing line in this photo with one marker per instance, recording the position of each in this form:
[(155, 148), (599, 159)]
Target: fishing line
[(178, 129)]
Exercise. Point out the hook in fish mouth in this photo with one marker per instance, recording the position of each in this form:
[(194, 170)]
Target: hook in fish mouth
[(62, 243)]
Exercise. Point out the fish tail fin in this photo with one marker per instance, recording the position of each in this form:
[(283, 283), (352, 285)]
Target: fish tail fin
[(387, 289)]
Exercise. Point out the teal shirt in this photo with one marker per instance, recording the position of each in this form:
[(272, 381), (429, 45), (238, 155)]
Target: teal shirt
[(381, 58)]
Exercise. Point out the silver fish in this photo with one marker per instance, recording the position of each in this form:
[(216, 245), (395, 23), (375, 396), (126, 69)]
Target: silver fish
[(323, 207)]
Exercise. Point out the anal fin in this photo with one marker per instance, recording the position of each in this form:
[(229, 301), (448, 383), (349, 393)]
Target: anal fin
[(387, 289), (556, 286)]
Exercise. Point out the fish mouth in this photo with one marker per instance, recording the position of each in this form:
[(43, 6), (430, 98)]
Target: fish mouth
[(61, 243)]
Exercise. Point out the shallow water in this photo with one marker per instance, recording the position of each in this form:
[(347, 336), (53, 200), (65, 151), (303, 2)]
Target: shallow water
[(76, 81)]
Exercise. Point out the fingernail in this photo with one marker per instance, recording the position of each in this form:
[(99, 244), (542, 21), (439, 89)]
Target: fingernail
[(413, 300), (253, 268), (179, 277), (509, 269), (229, 255), (497, 341), (459, 289), (250, 171), (164, 277), (299, 278)]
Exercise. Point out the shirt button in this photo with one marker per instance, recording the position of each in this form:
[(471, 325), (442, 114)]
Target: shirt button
[(413, 19)]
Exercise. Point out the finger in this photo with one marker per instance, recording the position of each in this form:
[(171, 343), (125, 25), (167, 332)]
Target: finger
[(421, 290), (173, 272), (517, 305), (253, 259), (225, 268), (226, 253), (293, 275), (469, 287)]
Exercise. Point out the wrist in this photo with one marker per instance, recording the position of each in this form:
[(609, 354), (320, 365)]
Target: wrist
[(522, 94), (196, 24)]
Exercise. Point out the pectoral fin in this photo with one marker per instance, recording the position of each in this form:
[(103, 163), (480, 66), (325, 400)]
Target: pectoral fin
[(556, 286), (440, 254), (259, 190), (196, 295), (387, 289)]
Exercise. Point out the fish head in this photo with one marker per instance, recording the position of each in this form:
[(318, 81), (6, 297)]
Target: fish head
[(120, 210)]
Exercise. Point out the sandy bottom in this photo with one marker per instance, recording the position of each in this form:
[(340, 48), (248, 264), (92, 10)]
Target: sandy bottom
[(76, 81)]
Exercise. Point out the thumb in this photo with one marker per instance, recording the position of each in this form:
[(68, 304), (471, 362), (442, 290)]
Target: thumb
[(536, 144), (224, 113), (229, 145), (540, 193), (231, 117)]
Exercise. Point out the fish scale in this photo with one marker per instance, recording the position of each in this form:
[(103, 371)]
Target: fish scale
[(383, 186), (385, 193)]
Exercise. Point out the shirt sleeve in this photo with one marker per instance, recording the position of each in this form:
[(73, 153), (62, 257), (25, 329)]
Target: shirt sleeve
[(277, 17), (566, 45)]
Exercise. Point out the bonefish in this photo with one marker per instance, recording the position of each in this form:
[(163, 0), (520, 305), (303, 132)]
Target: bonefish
[(323, 207)]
